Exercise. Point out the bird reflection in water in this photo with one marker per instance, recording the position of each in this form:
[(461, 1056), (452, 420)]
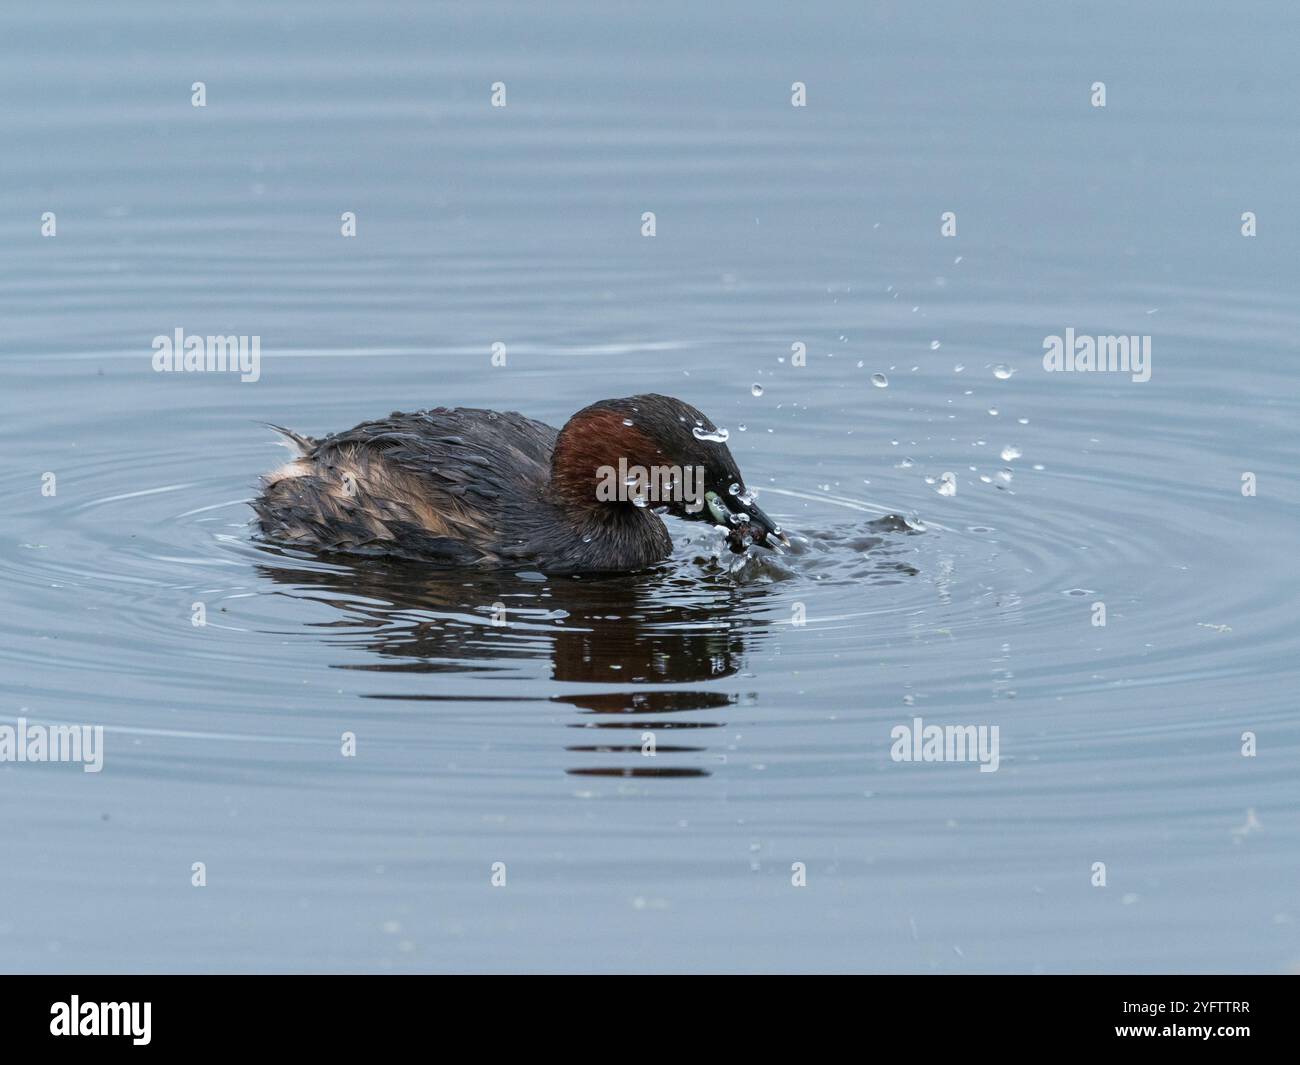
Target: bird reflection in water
[(681, 624), (656, 628)]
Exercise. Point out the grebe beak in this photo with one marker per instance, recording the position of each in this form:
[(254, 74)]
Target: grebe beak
[(771, 531)]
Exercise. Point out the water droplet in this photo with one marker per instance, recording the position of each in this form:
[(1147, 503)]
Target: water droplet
[(717, 436), (880, 380), (733, 488), (906, 464), (935, 345), (1010, 452), (993, 411), (959, 368), (757, 390), (1005, 474), (628, 421), (742, 427), (640, 501), (1002, 371), (948, 487)]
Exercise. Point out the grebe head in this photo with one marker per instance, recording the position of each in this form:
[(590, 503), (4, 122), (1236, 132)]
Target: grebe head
[(659, 453)]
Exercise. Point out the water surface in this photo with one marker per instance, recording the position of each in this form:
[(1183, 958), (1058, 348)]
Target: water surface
[(770, 687)]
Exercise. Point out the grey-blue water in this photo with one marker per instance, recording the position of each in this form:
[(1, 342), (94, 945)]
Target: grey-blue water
[(770, 689)]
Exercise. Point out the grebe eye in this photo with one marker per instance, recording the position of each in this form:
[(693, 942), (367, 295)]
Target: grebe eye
[(716, 508)]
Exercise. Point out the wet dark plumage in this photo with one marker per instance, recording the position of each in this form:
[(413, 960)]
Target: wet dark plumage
[(464, 487)]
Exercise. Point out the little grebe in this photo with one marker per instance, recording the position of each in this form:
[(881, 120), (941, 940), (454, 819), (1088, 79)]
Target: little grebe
[(468, 487)]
